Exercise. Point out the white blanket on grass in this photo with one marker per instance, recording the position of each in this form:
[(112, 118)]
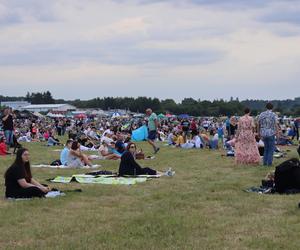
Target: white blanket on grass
[(62, 166)]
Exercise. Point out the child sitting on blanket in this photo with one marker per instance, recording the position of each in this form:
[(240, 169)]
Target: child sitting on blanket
[(129, 166)]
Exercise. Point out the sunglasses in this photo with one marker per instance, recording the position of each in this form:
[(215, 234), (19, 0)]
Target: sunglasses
[(132, 146)]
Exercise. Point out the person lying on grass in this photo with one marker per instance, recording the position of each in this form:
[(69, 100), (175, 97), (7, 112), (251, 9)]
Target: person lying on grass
[(106, 153), (128, 165), (76, 159), (18, 179)]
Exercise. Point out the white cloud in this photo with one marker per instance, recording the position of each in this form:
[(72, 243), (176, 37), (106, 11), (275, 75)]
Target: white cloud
[(164, 46)]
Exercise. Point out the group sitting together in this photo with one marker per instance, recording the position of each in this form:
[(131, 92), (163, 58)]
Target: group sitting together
[(20, 183)]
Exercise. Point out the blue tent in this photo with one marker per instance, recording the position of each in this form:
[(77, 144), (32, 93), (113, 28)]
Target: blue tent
[(140, 134), (184, 116)]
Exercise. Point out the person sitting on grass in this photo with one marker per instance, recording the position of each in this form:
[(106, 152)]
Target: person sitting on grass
[(128, 165), (197, 141), (204, 138), (76, 159), (52, 141), (180, 140), (18, 179), (104, 151), (3, 148), (214, 140), (65, 152), (170, 139)]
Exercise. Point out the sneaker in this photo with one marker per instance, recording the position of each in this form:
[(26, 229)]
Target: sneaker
[(95, 166), (169, 172)]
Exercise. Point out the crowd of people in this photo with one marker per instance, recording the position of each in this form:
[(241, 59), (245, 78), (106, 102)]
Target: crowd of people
[(249, 139)]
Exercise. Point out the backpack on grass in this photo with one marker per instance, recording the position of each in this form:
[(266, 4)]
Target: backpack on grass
[(287, 176)]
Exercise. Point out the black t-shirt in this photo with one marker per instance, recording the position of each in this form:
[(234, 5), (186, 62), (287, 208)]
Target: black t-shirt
[(14, 173), (8, 124), (82, 141), (185, 125)]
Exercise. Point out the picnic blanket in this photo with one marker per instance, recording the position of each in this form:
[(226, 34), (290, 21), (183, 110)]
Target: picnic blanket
[(100, 179), (260, 190), (61, 166), (270, 190)]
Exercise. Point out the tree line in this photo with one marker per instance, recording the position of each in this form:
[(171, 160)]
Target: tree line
[(186, 106)]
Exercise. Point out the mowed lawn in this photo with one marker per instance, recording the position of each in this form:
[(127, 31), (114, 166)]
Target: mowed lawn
[(202, 207)]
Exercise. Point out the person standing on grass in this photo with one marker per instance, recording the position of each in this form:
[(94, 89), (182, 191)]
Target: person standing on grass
[(152, 129), (296, 126), (267, 123), (8, 126), (246, 147), (18, 179)]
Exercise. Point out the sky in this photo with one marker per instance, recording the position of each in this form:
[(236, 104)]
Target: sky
[(204, 49)]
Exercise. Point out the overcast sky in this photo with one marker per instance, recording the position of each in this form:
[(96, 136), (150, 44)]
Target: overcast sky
[(203, 49)]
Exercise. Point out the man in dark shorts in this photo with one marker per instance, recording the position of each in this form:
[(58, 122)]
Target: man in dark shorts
[(152, 129)]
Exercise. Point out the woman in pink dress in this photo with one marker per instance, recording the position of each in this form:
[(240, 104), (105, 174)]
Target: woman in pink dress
[(246, 150)]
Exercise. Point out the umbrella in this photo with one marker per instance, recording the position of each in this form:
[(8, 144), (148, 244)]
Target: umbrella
[(80, 116), (184, 116), (161, 116)]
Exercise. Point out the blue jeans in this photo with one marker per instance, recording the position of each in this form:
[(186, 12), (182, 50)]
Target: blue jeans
[(269, 142), (9, 137), (213, 144), (52, 142)]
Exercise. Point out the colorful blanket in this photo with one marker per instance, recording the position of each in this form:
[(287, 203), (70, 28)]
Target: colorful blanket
[(104, 179)]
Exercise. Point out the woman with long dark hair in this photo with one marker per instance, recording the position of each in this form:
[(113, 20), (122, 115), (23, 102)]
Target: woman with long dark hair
[(76, 159), (128, 165), (18, 179)]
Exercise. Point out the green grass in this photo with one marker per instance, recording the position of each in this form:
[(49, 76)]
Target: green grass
[(202, 207)]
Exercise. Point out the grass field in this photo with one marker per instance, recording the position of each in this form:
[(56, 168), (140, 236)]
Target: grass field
[(202, 207)]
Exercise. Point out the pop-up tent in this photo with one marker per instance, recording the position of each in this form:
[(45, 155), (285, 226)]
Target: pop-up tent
[(115, 115), (55, 115), (140, 134)]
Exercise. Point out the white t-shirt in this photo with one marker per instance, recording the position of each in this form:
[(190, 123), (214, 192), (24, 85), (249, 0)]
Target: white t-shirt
[(197, 141), (216, 137)]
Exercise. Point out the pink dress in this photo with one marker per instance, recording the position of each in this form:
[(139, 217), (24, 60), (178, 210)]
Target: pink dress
[(246, 150)]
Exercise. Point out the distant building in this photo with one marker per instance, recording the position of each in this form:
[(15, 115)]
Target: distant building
[(49, 107), (16, 105)]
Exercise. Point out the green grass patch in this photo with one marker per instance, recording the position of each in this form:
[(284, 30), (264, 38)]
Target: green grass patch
[(202, 207)]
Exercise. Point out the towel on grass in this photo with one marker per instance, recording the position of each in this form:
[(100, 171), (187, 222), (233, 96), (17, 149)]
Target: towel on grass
[(62, 166), (105, 179)]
